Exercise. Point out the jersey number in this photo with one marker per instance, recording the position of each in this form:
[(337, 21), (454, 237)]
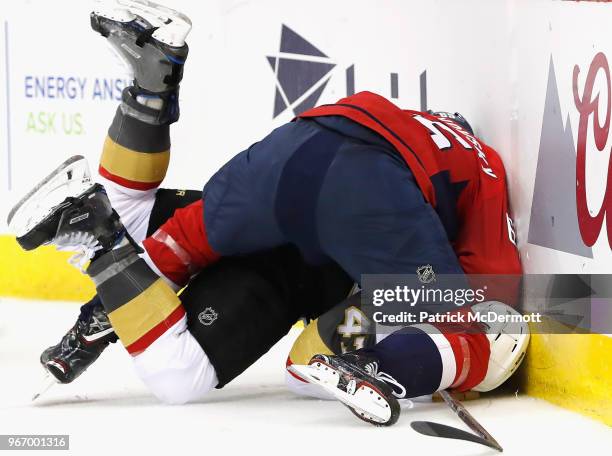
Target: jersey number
[(438, 137), (352, 331)]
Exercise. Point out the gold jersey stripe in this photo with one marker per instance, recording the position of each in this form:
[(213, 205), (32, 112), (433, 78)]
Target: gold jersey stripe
[(308, 344), (135, 166), (137, 317)]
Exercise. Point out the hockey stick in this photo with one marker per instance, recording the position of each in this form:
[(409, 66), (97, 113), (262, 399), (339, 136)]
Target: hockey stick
[(448, 432)]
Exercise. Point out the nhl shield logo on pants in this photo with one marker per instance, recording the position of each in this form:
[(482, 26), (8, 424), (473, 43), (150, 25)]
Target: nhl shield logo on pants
[(208, 316)]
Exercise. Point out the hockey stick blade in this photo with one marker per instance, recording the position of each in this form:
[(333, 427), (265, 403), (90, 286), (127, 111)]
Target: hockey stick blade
[(449, 432)]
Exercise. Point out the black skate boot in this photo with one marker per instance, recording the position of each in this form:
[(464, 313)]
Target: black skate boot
[(153, 50), (82, 221), (86, 220), (81, 345), (353, 379)]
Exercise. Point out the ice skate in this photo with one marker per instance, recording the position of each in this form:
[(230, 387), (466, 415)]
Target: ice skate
[(31, 219), (66, 209), (353, 379), (150, 40), (81, 345)]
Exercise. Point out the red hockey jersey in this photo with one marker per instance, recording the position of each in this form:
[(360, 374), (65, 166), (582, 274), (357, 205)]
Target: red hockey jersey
[(459, 175)]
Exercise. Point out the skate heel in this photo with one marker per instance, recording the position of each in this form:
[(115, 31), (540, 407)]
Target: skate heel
[(57, 369), (369, 404)]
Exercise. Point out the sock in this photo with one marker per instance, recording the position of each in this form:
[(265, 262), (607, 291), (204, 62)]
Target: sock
[(140, 306), (425, 358), (411, 358), (136, 152)]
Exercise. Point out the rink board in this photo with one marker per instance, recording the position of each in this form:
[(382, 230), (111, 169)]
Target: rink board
[(40, 274), (571, 370)]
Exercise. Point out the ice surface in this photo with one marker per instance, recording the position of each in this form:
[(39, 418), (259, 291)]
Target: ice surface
[(108, 411)]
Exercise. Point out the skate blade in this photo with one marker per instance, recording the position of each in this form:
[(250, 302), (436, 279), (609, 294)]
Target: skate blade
[(47, 384), (360, 402), (71, 178), (112, 10), (173, 26), (161, 12)]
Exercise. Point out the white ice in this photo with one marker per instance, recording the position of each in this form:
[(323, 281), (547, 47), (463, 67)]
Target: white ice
[(108, 411)]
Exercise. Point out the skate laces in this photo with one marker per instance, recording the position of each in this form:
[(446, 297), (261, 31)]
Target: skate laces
[(372, 369), (84, 244)]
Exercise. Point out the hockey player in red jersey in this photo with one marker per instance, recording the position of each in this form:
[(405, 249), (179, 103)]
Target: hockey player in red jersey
[(470, 197), (357, 187)]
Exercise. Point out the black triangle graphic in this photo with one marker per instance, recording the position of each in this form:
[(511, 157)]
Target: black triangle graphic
[(293, 43), (296, 77), (272, 62), (279, 103), (311, 100)]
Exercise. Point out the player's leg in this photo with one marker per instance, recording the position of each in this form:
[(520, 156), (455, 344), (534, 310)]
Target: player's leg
[(342, 328), (458, 347), (134, 161), (416, 360), (136, 151), (346, 328), (81, 346), (144, 311), (150, 320)]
